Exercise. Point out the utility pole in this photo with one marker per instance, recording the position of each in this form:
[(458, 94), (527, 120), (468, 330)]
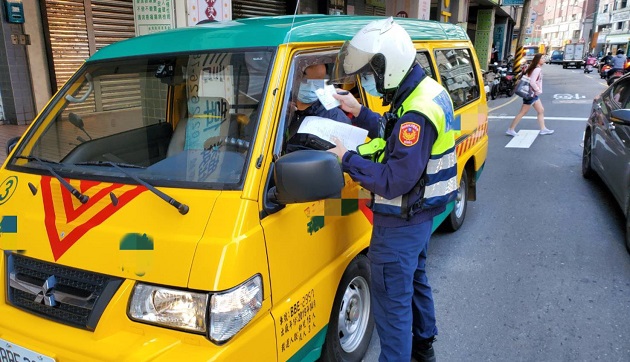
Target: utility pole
[(520, 41)]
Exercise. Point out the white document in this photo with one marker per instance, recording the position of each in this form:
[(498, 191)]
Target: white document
[(326, 129), (325, 96)]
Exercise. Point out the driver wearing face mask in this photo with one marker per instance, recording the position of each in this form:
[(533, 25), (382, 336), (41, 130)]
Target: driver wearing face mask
[(307, 104)]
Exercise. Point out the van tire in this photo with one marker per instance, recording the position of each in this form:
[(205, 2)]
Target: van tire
[(455, 219), (346, 339)]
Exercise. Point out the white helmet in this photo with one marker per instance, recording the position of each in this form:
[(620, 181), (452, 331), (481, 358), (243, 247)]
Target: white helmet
[(382, 47)]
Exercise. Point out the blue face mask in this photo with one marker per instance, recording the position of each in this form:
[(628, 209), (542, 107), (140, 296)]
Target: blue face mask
[(307, 93), (369, 85)]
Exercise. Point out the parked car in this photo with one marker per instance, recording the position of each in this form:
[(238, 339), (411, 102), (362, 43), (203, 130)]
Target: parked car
[(555, 57), (607, 144)]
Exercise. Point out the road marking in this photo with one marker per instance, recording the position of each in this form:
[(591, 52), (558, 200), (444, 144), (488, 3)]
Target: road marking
[(579, 119), (504, 104), (524, 139)]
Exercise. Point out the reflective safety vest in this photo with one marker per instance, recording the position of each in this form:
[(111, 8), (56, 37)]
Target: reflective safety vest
[(438, 185)]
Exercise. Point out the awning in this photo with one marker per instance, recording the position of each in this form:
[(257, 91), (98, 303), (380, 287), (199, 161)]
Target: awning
[(617, 38)]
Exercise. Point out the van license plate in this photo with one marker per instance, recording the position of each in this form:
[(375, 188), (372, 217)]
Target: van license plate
[(10, 351)]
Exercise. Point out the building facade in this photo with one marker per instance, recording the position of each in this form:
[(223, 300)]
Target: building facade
[(612, 26)]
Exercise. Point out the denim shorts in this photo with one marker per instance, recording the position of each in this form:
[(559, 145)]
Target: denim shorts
[(530, 101)]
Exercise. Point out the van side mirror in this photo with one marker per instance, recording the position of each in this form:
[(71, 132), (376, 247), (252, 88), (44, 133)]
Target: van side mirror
[(307, 175), (11, 143)]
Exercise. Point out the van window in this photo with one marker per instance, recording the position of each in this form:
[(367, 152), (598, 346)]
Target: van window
[(424, 60), (457, 74), (291, 115), (116, 112)]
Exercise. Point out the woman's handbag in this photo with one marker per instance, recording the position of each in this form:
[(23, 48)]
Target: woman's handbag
[(523, 88)]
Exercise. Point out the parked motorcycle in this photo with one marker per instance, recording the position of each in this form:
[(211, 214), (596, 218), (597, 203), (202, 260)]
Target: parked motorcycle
[(503, 83)]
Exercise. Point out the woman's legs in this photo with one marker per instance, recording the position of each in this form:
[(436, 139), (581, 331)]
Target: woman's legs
[(524, 109), (540, 117), (540, 110)]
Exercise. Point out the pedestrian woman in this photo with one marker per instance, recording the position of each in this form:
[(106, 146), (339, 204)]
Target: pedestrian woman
[(534, 72)]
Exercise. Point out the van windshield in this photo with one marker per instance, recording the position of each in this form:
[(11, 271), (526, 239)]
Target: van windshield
[(180, 121)]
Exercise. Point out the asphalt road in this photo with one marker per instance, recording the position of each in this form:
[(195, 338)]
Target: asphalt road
[(539, 270)]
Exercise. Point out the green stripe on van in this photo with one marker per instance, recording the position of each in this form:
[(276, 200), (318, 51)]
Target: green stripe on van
[(312, 350)]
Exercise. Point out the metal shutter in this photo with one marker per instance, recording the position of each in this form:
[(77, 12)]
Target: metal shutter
[(374, 10), (76, 32), (112, 21), (253, 8), (67, 33)]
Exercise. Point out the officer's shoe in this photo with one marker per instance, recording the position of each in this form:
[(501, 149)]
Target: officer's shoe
[(422, 350)]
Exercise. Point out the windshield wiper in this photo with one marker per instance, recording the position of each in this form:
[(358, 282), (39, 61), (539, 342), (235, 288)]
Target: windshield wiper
[(107, 163), (45, 163), (182, 208)]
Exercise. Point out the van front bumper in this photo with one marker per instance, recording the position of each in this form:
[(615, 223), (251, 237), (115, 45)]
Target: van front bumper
[(117, 338)]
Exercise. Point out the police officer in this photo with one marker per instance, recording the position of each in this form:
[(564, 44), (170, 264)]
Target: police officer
[(411, 182)]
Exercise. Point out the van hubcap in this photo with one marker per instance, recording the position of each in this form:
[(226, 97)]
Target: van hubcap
[(354, 314)]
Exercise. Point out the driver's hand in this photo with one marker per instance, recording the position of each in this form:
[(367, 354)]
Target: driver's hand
[(339, 150)]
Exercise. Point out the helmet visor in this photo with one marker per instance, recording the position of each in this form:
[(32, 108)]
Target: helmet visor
[(350, 62)]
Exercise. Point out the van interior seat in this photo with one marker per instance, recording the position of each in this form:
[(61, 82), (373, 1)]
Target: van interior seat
[(182, 138), (178, 140)]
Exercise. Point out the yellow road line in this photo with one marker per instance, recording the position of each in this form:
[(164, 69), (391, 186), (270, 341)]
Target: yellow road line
[(514, 97)]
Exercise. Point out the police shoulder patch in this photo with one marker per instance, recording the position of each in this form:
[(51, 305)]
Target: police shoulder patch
[(409, 133)]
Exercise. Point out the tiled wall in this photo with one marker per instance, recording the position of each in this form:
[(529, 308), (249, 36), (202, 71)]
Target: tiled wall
[(15, 78)]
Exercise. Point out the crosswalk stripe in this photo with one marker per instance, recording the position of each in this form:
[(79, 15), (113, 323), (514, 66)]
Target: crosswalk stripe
[(580, 119), (524, 139)]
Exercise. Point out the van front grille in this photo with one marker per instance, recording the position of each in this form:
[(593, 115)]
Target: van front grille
[(66, 295)]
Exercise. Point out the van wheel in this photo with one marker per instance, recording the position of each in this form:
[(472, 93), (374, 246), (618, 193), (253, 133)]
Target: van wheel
[(587, 170), (351, 321), (455, 219)]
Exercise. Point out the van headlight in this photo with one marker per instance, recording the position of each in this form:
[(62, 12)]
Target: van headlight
[(169, 307), (231, 310)]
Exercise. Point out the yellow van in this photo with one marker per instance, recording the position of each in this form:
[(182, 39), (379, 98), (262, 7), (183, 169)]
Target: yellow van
[(150, 212)]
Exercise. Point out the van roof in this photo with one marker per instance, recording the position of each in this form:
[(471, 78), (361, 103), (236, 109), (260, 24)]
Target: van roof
[(267, 32)]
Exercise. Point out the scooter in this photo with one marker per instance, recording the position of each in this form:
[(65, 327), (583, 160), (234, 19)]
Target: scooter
[(591, 61), (504, 83), (613, 76), (603, 72)]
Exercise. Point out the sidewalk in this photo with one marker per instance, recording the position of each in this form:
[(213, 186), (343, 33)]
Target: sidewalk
[(8, 131)]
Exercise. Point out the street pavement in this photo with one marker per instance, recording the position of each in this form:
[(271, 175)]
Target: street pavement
[(8, 131)]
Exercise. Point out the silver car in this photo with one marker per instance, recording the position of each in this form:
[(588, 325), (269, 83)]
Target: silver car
[(607, 144)]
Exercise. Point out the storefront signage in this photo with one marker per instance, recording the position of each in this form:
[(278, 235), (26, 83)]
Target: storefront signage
[(513, 2), (621, 16), (152, 16), (424, 9), (208, 10)]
